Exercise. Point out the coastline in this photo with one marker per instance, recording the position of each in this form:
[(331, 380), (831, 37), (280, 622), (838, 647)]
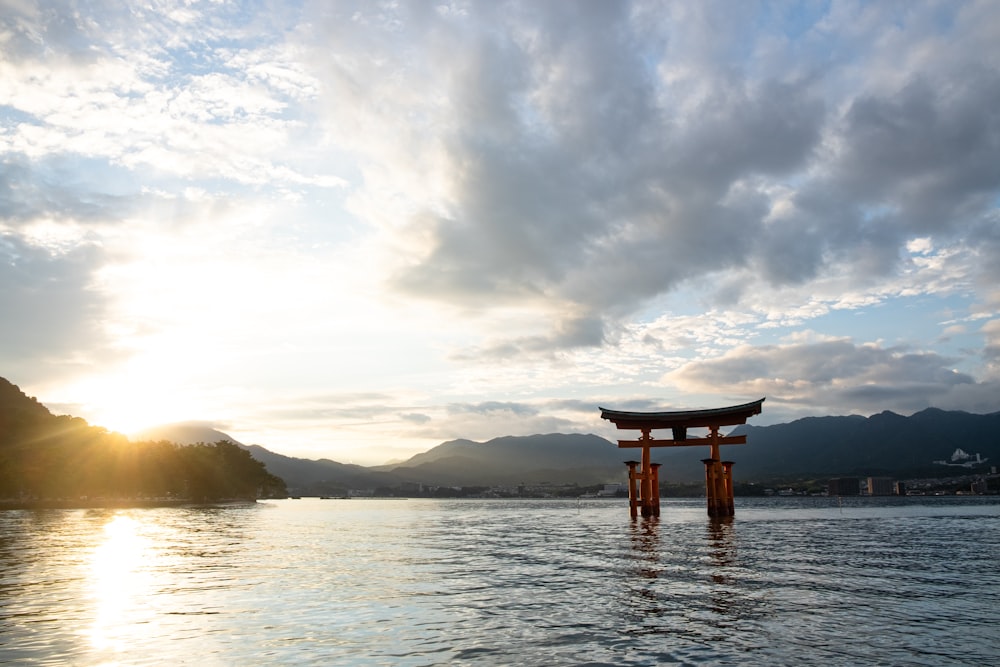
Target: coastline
[(115, 503)]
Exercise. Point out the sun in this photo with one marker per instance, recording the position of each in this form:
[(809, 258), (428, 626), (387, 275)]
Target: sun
[(127, 404)]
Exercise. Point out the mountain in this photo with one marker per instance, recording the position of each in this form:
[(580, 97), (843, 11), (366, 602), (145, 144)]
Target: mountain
[(303, 476), (320, 476), (185, 433), (49, 458), (883, 443), (16, 406), (556, 457)]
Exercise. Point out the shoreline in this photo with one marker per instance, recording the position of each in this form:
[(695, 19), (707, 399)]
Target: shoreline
[(116, 503)]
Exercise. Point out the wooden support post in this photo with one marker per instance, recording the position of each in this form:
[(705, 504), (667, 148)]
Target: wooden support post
[(656, 488), (633, 499), (721, 505), (718, 479), (646, 481), (727, 472), (710, 485)]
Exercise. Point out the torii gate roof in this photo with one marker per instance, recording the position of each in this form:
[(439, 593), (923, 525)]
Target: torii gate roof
[(730, 416)]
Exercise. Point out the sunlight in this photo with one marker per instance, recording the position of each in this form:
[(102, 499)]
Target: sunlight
[(118, 582), (138, 397)]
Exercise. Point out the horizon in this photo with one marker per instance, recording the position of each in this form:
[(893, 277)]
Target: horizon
[(354, 232), (143, 434)]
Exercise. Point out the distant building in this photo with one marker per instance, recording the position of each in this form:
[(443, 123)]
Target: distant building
[(900, 489), (881, 486), (844, 486), (963, 459)]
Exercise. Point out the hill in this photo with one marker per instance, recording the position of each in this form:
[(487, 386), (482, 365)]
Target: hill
[(304, 477), (883, 443), (44, 457), (556, 457)]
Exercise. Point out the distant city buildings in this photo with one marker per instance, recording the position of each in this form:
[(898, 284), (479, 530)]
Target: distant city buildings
[(870, 486), (844, 486), (881, 486)]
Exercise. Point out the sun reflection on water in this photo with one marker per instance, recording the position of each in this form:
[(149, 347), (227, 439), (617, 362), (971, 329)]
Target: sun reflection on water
[(119, 582)]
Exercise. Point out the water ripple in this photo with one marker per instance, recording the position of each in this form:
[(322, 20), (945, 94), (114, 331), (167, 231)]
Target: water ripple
[(427, 582)]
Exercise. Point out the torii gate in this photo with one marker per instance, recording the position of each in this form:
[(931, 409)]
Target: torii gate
[(718, 473)]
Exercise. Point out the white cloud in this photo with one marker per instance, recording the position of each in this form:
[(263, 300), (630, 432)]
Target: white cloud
[(512, 203)]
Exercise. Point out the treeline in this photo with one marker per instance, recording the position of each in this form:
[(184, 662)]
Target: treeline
[(43, 456)]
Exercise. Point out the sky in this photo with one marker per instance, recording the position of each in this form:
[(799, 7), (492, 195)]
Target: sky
[(355, 230)]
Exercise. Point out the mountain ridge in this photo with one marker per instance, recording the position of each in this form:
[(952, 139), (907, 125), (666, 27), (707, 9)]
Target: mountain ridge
[(820, 446)]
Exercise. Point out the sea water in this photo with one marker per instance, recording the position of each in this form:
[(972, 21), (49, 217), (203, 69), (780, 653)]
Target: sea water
[(804, 581)]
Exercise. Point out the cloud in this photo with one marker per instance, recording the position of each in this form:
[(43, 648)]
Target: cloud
[(835, 375), (991, 351), (611, 204), (567, 334), (516, 200), (52, 310), (493, 408), (580, 160), (183, 91), (588, 171), (416, 418), (59, 189)]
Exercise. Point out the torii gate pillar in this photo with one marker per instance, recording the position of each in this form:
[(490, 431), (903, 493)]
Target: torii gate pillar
[(644, 483)]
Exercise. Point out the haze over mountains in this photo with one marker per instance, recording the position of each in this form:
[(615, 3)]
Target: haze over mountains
[(921, 445), (885, 443)]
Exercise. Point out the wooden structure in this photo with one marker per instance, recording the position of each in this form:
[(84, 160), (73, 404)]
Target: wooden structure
[(644, 476)]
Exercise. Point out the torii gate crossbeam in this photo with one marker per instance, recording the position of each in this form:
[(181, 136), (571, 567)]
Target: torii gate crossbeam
[(643, 484)]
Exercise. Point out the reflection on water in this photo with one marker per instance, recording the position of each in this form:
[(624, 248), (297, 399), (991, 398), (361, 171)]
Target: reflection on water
[(428, 582), (645, 538), (722, 544), (117, 582)]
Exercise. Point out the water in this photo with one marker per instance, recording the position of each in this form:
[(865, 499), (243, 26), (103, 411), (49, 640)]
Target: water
[(425, 582)]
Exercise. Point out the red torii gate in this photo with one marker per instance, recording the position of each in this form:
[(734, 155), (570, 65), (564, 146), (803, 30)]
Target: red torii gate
[(718, 473)]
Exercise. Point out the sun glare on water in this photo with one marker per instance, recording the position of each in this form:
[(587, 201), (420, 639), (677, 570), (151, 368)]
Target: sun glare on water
[(119, 581)]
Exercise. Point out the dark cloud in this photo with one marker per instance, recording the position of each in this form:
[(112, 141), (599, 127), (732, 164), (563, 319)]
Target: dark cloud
[(991, 350), (928, 150), (984, 238), (568, 333), (588, 182), (415, 418), (43, 31), (835, 376), (493, 408), (52, 312), (59, 188)]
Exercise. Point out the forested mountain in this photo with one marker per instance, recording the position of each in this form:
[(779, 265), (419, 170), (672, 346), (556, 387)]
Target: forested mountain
[(304, 477), (510, 460), (885, 442), (43, 456)]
